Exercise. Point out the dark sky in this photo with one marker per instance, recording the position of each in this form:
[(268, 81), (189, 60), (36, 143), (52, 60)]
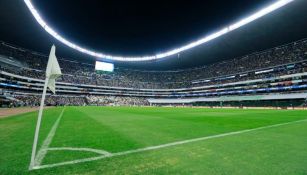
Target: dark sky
[(137, 28), (132, 27)]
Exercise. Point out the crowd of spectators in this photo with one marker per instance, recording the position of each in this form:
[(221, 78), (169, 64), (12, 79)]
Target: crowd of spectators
[(34, 100), (116, 101), (61, 100), (283, 60), (84, 73)]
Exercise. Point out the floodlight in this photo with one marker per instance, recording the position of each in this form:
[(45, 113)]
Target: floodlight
[(278, 4)]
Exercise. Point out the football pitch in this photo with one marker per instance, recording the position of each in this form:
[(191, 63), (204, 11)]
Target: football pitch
[(153, 140)]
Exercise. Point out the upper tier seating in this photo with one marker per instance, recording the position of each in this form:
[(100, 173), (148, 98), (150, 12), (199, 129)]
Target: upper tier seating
[(238, 69)]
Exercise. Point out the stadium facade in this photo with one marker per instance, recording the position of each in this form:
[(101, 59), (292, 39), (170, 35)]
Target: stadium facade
[(275, 77)]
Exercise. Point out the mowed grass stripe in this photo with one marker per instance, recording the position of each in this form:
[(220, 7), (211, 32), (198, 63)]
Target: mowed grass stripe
[(116, 130), (151, 148), (107, 126), (279, 150), (88, 133)]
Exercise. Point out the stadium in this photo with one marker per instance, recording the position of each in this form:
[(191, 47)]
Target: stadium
[(153, 87)]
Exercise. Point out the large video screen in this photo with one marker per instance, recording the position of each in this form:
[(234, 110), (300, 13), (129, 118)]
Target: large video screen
[(103, 66)]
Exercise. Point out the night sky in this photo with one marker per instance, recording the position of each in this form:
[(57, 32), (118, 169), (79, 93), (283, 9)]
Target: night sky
[(129, 28), (141, 27)]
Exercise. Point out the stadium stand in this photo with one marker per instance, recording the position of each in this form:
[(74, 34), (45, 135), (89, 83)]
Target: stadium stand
[(278, 74)]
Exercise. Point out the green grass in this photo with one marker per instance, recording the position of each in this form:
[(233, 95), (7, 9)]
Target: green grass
[(278, 150)]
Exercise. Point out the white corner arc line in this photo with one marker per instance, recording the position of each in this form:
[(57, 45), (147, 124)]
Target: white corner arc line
[(164, 145), (98, 151), (44, 148)]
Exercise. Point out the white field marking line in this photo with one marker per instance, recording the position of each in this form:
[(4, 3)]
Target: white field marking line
[(98, 151), (44, 148), (163, 145)]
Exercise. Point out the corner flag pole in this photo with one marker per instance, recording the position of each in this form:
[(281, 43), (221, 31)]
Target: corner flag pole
[(40, 113), (53, 71)]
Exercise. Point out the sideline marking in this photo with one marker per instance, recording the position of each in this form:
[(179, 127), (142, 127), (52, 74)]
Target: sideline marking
[(162, 146), (44, 148)]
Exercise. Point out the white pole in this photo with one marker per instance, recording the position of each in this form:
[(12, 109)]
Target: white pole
[(32, 164)]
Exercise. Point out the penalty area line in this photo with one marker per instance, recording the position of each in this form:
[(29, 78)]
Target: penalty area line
[(163, 145)]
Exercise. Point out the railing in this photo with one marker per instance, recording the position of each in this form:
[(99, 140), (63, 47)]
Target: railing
[(231, 98)]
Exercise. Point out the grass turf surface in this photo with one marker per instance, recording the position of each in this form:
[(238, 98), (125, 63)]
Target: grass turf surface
[(278, 150)]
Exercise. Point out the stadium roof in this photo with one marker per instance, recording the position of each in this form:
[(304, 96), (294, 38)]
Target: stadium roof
[(282, 26)]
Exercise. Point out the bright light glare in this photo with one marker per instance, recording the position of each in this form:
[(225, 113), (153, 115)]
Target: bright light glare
[(103, 66), (278, 4)]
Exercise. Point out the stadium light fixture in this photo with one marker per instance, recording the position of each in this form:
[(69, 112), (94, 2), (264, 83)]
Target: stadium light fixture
[(278, 4)]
